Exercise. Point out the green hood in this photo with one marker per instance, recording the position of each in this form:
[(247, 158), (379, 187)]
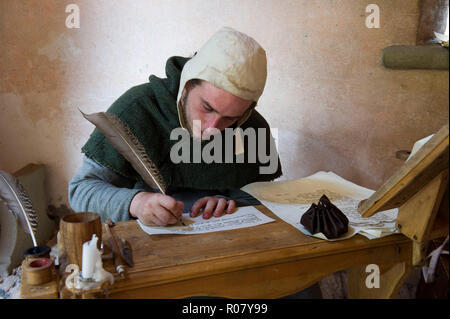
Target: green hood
[(150, 111)]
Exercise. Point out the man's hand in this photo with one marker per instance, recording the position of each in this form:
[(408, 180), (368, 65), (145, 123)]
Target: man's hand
[(156, 209), (213, 206)]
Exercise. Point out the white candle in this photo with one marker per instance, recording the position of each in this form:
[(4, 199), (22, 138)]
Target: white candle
[(89, 259)]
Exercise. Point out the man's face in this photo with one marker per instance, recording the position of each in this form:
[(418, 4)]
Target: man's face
[(213, 107)]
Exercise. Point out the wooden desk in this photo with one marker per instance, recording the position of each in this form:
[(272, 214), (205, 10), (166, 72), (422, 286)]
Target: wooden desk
[(266, 261)]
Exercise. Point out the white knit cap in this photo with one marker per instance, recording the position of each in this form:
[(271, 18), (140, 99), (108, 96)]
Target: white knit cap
[(231, 61)]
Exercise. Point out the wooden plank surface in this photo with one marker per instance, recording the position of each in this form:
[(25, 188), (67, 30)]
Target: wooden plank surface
[(163, 261), (273, 280)]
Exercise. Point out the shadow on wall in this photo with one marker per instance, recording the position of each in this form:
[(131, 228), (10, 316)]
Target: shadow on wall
[(40, 58), (313, 154)]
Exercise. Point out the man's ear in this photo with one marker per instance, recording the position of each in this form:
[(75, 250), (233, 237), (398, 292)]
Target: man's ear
[(185, 93), (181, 115), (187, 87)]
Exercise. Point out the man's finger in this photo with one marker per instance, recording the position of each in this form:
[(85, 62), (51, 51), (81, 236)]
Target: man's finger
[(152, 219), (180, 208), (198, 205), (231, 207), (209, 208), (148, 218), (169, 203), (220, 208), (165, 216)]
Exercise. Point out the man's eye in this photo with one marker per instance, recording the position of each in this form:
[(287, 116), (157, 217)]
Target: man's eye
[(207, 108)]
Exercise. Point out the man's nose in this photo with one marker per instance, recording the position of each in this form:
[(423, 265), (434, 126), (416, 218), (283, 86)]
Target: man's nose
[(213, 122)]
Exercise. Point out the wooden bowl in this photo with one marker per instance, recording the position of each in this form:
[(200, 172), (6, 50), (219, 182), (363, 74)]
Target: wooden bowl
[(38, 270)]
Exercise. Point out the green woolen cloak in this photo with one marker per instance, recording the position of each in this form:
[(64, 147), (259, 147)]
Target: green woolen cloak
[(150, 111)]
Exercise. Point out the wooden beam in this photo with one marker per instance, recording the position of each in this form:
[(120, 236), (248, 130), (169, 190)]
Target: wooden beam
[(416, 217), (391, 280)]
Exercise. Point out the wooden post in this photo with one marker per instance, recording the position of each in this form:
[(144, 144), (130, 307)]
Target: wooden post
[(416, 217), (392, 278)]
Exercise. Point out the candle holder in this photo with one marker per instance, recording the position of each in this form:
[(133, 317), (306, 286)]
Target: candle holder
[(86, 287), (93, 277)]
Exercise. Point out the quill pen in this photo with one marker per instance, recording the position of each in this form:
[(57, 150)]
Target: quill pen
[(126, 143), (19, 203)]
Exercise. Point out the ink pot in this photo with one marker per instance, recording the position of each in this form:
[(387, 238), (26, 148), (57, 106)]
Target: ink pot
[(37, 252)]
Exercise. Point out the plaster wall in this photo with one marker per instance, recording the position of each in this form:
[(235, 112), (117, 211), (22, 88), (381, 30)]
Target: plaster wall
[(335, 107)]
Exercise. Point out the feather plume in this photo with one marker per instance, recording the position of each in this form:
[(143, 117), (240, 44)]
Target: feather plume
[(19, 203), (126, 143)]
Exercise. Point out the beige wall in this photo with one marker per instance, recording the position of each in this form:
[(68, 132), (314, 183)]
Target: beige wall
[(335, 107)]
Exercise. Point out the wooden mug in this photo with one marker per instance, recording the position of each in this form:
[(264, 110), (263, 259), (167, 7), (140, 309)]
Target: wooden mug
[(77, 229)]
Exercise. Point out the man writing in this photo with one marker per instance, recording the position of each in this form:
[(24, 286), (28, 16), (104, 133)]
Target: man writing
[(216, 89)]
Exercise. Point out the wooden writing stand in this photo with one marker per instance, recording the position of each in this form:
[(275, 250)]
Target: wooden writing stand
[(420, 190), (275, 259)]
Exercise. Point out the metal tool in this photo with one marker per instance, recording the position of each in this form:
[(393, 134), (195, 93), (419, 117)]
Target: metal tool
[(121, 251)]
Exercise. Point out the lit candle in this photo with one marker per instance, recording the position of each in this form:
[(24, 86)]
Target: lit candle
[(90, 255)]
